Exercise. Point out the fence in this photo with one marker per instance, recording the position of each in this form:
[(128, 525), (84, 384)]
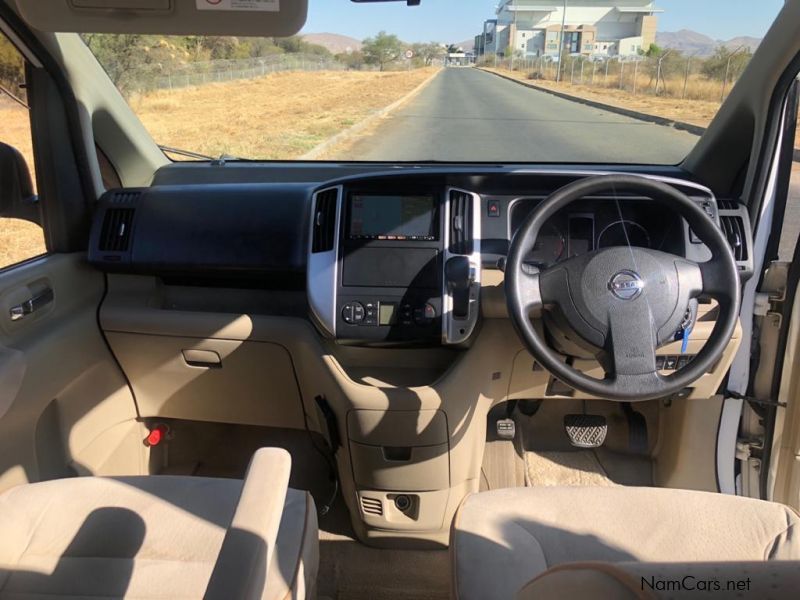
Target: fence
[(154, 76), (682, 77)]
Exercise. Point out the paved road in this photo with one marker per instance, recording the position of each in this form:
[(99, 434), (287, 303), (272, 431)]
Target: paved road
[(470, 115)]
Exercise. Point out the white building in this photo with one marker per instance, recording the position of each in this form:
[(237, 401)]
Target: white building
[(591, 27)]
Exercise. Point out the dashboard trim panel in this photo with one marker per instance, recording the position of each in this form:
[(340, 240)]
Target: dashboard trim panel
[(457, 331), (323, 269)]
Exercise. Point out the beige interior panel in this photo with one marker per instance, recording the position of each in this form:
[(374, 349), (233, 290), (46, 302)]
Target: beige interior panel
[(784, 476), (685, 456), (388, 384), (69, 408), (398, 428), (229, 381), (414, 468)]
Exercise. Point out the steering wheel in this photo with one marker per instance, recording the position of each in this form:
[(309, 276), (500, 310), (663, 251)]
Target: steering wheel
[(624, 301)]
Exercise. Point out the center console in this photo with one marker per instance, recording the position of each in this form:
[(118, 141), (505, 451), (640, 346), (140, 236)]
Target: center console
[(392, 264)]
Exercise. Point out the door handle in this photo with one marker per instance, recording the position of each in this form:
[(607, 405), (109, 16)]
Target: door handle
[(31, 305)]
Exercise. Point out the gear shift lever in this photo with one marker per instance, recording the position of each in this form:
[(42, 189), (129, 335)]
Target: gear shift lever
[(460, 277)]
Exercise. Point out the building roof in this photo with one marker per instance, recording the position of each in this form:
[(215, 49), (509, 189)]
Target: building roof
[(631, 9)]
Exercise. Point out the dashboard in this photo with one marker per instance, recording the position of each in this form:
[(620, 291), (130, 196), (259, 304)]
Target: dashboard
[(385, 258)]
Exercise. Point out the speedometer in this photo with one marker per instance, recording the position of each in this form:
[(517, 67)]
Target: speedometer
[(549, 248), (624, 233)]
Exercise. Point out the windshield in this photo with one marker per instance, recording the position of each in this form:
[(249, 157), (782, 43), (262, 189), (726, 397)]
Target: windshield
[(553, 81)]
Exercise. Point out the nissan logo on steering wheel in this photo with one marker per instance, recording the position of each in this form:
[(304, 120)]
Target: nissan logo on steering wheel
[(626, 285)]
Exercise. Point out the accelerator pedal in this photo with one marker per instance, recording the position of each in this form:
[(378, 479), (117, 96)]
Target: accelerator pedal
[(637, 429), (586, 431)]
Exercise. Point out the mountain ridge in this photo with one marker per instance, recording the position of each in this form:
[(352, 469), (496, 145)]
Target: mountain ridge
[(334, 42), (693, 42)]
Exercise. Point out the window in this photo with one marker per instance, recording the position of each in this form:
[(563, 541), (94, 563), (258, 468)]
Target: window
[(20, 239), (291, 98)]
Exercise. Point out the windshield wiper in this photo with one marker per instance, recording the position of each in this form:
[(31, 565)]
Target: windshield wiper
[(186, 153)]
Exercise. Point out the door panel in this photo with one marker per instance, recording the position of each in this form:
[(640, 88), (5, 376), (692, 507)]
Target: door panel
[(65, 407)]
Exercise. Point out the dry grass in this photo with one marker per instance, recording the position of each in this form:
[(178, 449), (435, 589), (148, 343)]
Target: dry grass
[(280, 116), (698, 108), (277, 117), (15, 129), (19, 240), (696, 112)]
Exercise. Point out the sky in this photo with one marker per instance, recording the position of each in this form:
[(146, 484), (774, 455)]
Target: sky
[(459, 20)]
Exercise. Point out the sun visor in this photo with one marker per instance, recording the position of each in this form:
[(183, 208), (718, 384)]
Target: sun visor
[(273, 18)]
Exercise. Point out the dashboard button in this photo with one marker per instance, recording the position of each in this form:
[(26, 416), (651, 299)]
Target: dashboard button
[(353, 313), (424, 315)]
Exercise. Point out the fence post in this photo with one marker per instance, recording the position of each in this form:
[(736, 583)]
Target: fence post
[(727, 70), (686, 77), (582, 63), (608, 62), (635, 75), (572, 72), (594, 70), (621, 73)]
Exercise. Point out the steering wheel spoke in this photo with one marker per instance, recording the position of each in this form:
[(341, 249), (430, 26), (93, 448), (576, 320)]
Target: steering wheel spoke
[(529, 288), (632, 341), (715, 282)]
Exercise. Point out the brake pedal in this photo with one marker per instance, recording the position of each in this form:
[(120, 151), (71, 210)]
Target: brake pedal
[(506, 429), (586, 431)]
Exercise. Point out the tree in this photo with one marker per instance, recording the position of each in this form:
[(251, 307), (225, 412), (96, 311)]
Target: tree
[(661, 63), (429, 52), (382, 50), (353, 60), (717, 66)]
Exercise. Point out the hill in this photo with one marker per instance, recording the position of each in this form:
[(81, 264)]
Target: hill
[(692, 42), (335, 43)]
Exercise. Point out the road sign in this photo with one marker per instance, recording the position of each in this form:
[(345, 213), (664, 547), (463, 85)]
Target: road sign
[(409, 54)]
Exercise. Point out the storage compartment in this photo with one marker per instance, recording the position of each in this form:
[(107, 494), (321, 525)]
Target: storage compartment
[(224, 381), (399, 450), (427, 467), (398, 427)]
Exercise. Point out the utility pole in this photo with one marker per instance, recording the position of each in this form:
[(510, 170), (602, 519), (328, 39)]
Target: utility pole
[(513, 42), (561, 40)]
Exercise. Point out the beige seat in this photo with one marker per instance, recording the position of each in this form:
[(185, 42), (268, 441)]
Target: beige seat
[(161, 537), (503, 539)]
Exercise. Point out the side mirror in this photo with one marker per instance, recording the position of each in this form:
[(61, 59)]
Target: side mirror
[(17, 199)]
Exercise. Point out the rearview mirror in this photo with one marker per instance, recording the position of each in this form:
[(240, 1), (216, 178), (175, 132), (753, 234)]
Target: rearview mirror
[(260, 18), (17, 198)]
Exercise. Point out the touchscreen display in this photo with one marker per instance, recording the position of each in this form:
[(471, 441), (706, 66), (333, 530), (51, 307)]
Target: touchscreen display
[(392, 217)]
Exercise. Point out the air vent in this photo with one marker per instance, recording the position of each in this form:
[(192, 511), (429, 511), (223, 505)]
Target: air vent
[(461, 241), (372, 506), (325, 221), (124, 197), (728, 205), (734, 229), (115, 235)]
